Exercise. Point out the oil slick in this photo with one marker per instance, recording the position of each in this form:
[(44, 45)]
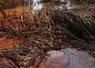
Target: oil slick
[(70, 58)]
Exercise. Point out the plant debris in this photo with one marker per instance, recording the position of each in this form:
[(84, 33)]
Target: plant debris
[(44, 31)]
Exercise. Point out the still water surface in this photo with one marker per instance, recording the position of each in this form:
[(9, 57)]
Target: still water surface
[(68, 58)]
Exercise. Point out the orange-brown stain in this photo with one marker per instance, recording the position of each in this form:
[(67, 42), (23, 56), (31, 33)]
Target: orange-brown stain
[(41, 66), (8, 43)]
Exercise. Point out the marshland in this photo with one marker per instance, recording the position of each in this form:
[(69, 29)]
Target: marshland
[(47, 34)]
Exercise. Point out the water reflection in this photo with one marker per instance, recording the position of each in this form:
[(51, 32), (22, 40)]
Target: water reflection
[(68, 59), (37, 5)]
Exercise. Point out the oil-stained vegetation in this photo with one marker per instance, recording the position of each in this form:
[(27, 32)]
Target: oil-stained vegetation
[(27, 37)]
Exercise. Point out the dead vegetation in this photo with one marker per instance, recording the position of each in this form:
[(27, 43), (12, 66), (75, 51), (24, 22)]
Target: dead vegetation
[(41, 32)]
